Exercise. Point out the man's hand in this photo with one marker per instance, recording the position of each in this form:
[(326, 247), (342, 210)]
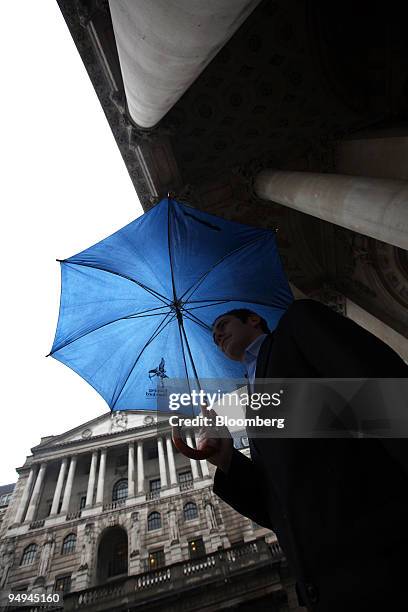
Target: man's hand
[(220, 440)]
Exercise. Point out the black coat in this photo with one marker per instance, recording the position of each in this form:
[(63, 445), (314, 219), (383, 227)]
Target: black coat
[(338, 506)]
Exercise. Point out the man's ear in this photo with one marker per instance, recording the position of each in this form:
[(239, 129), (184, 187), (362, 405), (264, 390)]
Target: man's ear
[(254, 320)]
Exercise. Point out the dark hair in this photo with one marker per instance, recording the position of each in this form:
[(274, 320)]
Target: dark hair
[(243, 314)]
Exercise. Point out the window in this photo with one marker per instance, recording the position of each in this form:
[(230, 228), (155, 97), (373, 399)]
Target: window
[(153, 521), (155, 485), (185, 477), (63, 583), (5, 499), (196, 548), (185, 480), (190, 511), (120, 490), (29, 554), (156, 559), (82, 502), (68, 544)]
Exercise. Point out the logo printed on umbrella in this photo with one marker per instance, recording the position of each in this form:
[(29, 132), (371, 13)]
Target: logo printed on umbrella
[(160, 372)]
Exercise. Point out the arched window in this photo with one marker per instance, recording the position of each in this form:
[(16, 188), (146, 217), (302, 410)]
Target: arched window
[(153, 521), (29, 554), (68, 544), (120, 490), (190, 511)]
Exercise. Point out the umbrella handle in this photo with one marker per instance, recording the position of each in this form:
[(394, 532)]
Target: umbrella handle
[(192, 453)]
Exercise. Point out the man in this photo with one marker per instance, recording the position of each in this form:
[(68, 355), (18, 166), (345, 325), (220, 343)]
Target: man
[(338, 506)]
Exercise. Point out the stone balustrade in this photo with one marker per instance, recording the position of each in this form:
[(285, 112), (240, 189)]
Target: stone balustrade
[(218, 565)]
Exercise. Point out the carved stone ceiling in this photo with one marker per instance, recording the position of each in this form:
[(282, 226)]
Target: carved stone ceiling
[(295, 77)]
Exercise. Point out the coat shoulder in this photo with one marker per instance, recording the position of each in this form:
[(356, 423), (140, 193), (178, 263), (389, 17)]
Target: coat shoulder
[(303, 309)]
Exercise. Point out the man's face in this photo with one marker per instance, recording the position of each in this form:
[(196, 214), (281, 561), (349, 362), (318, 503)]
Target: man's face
[(233, 336)]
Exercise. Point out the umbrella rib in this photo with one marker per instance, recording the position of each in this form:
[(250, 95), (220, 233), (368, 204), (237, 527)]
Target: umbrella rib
[(169, 249), (191, 356), (130, 316), (154, 335), (217, 303), (156, 294), (196, 320), (184, 355), (217, 263), (234, 300)]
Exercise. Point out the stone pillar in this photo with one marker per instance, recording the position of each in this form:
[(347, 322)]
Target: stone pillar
[(162, 463), (204, 466), (68, 485), (131, 470), (36, 492), (58, 488), (101, 477), (157, 70), (91, 480), (26, 494), (170, 456), (193, 462), (374, 207), (140, 468)]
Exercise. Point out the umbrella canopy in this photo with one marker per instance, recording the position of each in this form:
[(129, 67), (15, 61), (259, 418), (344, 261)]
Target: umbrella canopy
[(137, 308)]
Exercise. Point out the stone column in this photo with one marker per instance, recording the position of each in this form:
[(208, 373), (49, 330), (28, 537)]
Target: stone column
[(193, 462), (140, 468), (157, 70), (26, 494), (170, 456), (91, 480), (36, 492), (374, 207), (204, 466), (58, 488), (131, 470), (162, 463), (101, 477), (68, 485)]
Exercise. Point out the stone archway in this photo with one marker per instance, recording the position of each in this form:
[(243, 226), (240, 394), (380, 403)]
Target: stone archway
[(112, 554)]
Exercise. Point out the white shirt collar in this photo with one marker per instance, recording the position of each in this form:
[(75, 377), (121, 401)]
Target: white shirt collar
[(252, 350)]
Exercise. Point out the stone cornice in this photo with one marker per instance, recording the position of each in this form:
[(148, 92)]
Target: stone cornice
[(57, 451)]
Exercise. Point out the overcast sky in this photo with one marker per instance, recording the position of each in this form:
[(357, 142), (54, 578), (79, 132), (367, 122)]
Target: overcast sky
[(64, 186)]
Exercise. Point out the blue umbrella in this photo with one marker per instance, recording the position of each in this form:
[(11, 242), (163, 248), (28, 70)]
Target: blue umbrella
[(137, 308)]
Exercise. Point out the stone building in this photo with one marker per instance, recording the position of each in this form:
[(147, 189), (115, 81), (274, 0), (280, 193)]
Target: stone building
[(112, 515)]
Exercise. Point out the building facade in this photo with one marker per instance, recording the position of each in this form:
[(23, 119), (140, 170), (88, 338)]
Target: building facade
[(113, 516)]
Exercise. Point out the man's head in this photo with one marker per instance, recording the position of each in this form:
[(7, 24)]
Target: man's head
[(234, 330)]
